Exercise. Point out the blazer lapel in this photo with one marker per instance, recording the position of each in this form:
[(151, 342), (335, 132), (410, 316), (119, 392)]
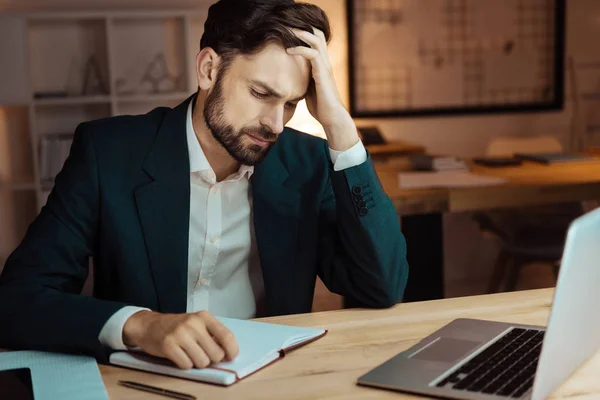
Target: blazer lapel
[(164, 208), (276, 203)]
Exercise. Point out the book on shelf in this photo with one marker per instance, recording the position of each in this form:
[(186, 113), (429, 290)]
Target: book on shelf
[(54, 150)]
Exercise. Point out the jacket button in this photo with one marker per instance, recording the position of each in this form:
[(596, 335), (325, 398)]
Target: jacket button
[(361, 203), (356, 189), (363, 211), (357, 198)]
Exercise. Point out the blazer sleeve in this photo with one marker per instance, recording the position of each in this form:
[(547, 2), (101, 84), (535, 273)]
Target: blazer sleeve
[(40, 303), (362, 252)]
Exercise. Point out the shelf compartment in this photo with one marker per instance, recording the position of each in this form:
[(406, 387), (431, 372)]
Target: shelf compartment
[(155, 98), (17, 187), (72, 100), (64, 118), (69, 56), (148, 55), (136, 105)]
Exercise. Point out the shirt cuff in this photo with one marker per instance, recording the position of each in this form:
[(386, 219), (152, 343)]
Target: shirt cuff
[(352, 157), (111, 334)]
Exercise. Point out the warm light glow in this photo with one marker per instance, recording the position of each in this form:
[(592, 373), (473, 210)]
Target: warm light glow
[(5, 171), (304, 122)]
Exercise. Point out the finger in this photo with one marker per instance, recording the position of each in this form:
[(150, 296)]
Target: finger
[(307, 52), (212, 349), (223, 336), (321, 45), (178, 356), (195, 352), (310, 38), (320, 72), (315, 40), (319, 33)]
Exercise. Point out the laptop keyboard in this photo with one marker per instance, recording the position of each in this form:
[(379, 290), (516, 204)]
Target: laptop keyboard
[(506, 368)]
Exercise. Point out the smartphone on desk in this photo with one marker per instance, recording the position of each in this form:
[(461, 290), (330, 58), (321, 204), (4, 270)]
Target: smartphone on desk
[(497, 161), (15, 384)]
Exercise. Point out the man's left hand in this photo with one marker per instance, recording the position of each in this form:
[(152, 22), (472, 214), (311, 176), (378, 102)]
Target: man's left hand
[(323, 99)]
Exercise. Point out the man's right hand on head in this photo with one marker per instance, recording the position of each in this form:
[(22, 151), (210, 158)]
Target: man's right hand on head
[(192, 340)]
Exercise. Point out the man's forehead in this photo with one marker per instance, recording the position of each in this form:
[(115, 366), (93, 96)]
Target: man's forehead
[(286, 74)]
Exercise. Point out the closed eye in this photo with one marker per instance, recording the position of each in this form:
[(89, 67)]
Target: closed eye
[(263, 96), (259, 95)]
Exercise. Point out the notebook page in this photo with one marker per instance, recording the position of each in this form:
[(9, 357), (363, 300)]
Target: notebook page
[(291, 342), (146, 362), (260, 342)]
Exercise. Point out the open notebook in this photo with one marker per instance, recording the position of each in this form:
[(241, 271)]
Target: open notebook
[(260, 344)]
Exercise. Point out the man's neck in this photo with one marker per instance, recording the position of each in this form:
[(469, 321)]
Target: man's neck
[(219, 159)]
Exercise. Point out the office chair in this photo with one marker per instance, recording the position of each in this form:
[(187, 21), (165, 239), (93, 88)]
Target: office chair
[(526, 234)]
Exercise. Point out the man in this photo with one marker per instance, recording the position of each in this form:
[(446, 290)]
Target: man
[(210, 208)]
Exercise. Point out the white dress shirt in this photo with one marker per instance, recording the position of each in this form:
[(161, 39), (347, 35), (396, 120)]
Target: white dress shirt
[(224, 273)]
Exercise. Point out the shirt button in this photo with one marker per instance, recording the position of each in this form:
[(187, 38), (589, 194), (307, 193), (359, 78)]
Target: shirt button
[(214, 189), (214, 239)]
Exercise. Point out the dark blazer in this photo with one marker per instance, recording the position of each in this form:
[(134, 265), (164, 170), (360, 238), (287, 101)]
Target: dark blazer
[(123, 197)]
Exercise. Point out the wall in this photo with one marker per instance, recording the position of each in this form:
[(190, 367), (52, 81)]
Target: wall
[(460, 135), (15, 166), (59, 5)]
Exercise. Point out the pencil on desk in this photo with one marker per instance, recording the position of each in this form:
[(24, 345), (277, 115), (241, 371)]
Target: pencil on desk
[(157, 390)]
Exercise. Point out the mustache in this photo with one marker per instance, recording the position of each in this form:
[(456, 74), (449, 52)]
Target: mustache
[(261, 133)]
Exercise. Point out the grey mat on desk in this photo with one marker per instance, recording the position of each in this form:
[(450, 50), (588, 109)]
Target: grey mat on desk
[(58, 376)]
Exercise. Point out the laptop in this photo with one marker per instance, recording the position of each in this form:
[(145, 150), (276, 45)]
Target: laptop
[(478, 359)]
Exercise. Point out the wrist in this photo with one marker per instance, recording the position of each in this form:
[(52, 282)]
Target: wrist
[(342, 139), (134, 328), (342, 134)]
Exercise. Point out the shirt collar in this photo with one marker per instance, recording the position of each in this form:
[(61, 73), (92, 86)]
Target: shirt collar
[(198, 161)]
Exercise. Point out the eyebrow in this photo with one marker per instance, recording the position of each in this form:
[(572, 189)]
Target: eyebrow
[(271, 91)]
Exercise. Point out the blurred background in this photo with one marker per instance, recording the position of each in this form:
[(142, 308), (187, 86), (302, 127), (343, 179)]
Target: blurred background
[(442, 78)]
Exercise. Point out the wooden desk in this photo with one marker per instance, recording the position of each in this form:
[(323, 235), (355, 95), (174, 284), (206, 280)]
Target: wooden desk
[(359, 340), (528, 184), (383, 151), (421, 210)]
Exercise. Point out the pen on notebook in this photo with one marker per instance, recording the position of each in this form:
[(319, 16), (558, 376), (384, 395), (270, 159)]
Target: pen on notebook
[(157, 390)]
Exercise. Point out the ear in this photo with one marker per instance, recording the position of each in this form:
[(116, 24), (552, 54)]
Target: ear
[(207, 62)]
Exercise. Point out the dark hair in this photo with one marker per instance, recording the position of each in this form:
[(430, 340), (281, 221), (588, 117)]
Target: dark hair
[(236, 27)]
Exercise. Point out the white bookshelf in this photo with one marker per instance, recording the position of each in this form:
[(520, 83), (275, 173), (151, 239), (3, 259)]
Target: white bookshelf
[(124, 55)]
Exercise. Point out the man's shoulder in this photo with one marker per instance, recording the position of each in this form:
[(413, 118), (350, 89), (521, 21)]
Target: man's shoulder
[(304, 156), (297, 144)]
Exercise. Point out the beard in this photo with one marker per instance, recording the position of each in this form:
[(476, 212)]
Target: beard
[(235, 142)]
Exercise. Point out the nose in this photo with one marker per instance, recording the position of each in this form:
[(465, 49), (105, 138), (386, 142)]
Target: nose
[(273, 119)]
